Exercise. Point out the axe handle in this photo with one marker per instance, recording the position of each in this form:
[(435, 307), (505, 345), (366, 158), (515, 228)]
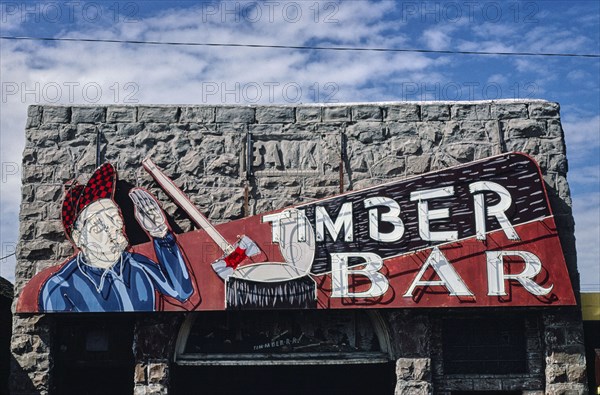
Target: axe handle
[(186, 205)]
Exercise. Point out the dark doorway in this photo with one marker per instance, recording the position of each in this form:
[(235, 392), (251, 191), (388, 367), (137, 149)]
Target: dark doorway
[(283, 352), (94, 355), (372, 379)]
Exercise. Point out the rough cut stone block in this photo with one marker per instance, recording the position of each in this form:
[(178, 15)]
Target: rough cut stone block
[(152, 389), (67, 132), (408, 146), (260, 128), (509, 110), (34, 116), (48, 193), (471, 132), (27, 229), (435, 112), (88, 114), (275, 114), (470, 112), (402, 129), (88, 132), (576, 373), (308, 114), (367, 113), (566, 389), (336, 114), (525, 128), (236, 114), (44, 137), (123, 114), (235, 128), (27, 193), (556, 373), (461, 152), (303, 127), (558, 163), (430, 131), (157, 373), (57, 115), (544, 110), (413, 369), (417, 164), (402, 112), (201, 114), (554, 128), (367, 132), (158, 114), (139, 374), (411, 388)]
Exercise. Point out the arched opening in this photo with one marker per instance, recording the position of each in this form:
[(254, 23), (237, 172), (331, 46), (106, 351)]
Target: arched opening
[(275, 352)]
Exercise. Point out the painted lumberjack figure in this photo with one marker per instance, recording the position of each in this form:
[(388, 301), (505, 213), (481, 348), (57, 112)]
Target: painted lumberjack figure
[(103, 275)]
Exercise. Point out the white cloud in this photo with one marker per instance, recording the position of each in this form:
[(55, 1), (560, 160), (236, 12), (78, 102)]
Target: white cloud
[(436, 39), (582, 136), (585, 175), (554, 39), (577, 75), (498, 79)]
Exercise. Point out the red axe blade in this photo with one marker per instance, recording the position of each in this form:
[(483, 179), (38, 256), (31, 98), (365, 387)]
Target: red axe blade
[(244, 248)]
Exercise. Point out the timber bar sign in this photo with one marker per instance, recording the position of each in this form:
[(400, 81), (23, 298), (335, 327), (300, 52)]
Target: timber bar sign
[(479, 234)]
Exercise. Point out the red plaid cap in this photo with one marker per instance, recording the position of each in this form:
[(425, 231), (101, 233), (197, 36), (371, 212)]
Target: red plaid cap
[(77, 197)]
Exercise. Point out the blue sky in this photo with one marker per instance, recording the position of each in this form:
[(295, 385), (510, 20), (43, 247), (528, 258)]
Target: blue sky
[(33, 72)]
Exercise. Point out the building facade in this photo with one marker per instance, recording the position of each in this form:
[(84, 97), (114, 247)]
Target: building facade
[(238, 161)]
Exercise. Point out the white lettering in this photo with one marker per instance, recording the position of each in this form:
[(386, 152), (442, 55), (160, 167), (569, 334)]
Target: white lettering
[(285, 219), (425, 215), (340, 273), (497, 210), (449, 278), (343, 220), (497, 277), (391, 217), (275, 220)]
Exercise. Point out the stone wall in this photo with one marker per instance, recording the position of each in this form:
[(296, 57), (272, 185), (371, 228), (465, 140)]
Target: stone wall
[(243, 160)]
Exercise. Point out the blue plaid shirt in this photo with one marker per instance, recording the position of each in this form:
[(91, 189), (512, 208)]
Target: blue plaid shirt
[(129, 285)]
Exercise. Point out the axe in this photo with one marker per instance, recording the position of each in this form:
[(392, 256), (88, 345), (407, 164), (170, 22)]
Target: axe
[(234, 254)]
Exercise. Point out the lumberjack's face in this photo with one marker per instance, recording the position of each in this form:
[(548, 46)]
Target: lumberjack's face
[(99, 233)]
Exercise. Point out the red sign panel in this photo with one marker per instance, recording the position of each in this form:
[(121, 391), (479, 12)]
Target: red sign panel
[(479, 234)]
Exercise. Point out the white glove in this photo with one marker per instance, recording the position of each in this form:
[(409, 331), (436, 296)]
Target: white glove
[(148, 213)]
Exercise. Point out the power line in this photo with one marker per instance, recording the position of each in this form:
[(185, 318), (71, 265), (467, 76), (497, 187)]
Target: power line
[(8, 256), (300, 47)]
